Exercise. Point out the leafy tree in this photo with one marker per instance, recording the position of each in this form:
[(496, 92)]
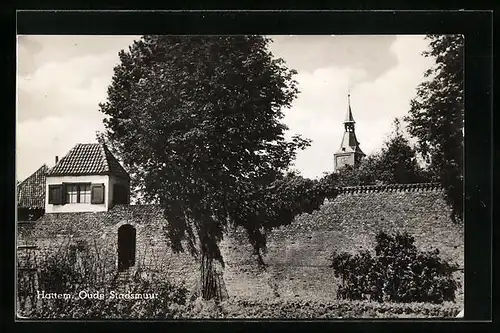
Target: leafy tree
[(396, 163), (367, 173), (398, 160), (436, 116), (197, 121)]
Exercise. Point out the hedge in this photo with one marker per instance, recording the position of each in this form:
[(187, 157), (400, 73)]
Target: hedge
[(310, 309)]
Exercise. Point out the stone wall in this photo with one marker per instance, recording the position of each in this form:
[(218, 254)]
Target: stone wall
[(100, 230), (298, 255)]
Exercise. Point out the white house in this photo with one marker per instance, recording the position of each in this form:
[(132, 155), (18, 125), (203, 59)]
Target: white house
[(88, 179)]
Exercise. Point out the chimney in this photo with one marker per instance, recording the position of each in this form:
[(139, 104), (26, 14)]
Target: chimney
[(57, 159)]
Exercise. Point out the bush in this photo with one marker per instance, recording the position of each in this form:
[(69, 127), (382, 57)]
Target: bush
[(167, 304), (398, 272), (73, 269), (311, 309), (75, 265)]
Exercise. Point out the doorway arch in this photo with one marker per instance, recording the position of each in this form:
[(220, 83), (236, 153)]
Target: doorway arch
[(126, 247)]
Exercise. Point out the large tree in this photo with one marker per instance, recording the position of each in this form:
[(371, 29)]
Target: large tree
[(197, 121), (398, 160), (436, 116)]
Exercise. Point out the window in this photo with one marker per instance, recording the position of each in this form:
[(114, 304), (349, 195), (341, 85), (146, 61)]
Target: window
[(73, 193), (78, 193)]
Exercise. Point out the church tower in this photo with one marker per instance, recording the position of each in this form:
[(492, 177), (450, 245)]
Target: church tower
[(349, 152)]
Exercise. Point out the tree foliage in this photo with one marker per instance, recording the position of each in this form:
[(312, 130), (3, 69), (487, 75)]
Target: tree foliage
[(398, 160), (197, 121), (279, 202), (396, 163), (398, 272), (436, 116)]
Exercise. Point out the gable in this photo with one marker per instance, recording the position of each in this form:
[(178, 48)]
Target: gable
[(31, 191)]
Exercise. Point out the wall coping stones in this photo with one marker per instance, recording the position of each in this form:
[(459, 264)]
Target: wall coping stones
[(390, 188)]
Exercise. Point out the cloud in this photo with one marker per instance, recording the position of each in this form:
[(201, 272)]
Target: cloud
[(319, 111), (27, 51), (38, 141), (73, 86), (35, 51), (61, 80), (371, 55)]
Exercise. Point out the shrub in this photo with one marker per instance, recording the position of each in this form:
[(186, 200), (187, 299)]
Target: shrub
[(398, 272), (168, 303), (75, 265), (76, 268), (325, 309)]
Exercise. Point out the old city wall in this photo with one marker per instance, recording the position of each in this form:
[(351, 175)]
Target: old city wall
[(100, 231), (298, 255)]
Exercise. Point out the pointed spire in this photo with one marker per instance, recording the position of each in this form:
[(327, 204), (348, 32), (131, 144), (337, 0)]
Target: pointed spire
[(348, 117)]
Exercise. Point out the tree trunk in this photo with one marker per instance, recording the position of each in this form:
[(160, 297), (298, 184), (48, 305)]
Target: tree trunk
[(212, 284), (208, 281)]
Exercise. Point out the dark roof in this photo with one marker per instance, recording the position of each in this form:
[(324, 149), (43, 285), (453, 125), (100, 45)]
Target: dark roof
[(350, 144), (88, 159), (348, 117), (31, 191)]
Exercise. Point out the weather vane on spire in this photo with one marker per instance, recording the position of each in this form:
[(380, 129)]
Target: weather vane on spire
[(348, 92)]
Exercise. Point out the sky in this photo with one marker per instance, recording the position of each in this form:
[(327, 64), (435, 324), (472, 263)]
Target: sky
[(62, 79)]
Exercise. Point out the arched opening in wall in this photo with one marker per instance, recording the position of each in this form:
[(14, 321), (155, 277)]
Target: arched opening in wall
[(126, 247)]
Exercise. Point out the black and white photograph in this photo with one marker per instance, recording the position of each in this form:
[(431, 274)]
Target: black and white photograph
[(239, 177)]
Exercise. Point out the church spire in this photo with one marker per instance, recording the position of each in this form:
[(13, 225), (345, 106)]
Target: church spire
[(348, 117), (349, 152)]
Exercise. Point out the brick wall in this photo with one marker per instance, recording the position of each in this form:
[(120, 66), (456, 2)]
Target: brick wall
[(100, 229), (298, 255)]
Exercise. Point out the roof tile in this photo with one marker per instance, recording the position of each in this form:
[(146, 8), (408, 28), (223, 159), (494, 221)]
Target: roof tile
[(31, 191), (88, 159)]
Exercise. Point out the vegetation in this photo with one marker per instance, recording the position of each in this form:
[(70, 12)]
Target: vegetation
[(398, 273), (278, 203), (436, 116), (323, 309), (396, 163), (173, 302), (77, 268), (197, 121), (168, 303)]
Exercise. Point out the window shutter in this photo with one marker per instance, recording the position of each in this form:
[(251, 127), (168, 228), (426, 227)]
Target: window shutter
[(97, 194), (55, 194)]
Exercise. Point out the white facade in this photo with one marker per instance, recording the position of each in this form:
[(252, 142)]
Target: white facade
[(77, 207), (108, 181)]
